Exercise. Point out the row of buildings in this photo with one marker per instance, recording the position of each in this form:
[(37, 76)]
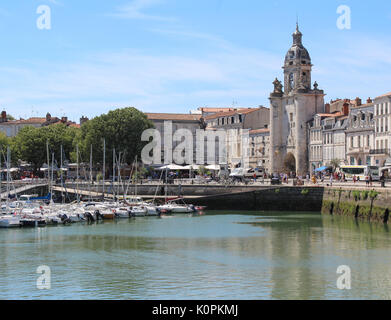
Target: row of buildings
[(11, 127), (299, 132)]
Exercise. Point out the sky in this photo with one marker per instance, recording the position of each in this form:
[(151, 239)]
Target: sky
[(178, 55)]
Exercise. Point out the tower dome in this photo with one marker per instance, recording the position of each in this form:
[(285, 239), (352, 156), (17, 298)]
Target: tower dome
[(297, 54)]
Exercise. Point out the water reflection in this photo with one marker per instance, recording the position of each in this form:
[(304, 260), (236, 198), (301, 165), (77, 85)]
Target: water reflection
[(217, 256)]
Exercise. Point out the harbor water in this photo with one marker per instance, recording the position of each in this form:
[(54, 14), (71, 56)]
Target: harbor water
[(219, 255)]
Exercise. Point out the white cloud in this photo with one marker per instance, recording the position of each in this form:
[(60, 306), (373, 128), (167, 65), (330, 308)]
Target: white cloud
[(147, 81)]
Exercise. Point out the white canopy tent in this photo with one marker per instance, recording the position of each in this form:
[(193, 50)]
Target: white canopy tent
[(172, 167), (213, 167), (192, 167), (12, 170)]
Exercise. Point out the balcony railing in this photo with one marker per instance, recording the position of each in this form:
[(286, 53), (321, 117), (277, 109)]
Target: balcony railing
[(380, 151)]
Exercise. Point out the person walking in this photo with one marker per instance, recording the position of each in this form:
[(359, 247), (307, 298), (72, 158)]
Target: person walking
[(370, 180), (367, 181)]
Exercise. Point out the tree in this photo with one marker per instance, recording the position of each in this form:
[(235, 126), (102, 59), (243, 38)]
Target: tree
[(30, 144), (335, 163), (4, 142), (122, 130)]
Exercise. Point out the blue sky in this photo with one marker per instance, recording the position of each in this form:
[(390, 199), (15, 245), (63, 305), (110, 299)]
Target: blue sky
[(178, 55)]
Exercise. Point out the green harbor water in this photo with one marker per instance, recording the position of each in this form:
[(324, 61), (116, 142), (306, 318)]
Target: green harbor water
[(215, 256)]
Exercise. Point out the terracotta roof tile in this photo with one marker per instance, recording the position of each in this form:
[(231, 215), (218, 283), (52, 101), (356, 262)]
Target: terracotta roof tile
[(384, 95), (174, 116), (27, 121), (218, 110), (259, 131), (363, 106)]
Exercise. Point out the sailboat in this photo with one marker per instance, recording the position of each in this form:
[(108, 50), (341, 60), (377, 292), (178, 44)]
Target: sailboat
[(9, 221)]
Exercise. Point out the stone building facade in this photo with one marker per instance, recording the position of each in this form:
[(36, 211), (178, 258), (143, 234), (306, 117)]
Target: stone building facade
[(292, 108), (360, 134), (382, 115)]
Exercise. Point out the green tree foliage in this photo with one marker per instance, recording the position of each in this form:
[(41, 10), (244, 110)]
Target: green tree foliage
[(30, 144), (4, 143), (122, 130), (335, 163)]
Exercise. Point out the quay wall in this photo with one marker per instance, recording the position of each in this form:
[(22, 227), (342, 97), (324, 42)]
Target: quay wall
[(355, 202)]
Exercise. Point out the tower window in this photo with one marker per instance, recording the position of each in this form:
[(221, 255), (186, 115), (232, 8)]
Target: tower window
[(291, 81)]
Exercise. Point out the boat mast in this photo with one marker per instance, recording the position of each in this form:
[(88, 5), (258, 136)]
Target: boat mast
[(52, 176), (136, 179), (77, 174), (48, 162), (91, 173), (104, 167), (119, 174), (114, 173), (62, 178), (166, 187), (8, 175)]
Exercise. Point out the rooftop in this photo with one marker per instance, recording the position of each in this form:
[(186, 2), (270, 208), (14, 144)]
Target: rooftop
[(259, 131), (384, 95), (174, 117), (25, 121)]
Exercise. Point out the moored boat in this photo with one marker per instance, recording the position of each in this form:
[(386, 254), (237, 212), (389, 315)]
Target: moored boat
[(10, 222)]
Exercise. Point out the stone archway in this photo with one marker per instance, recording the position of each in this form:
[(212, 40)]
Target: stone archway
[(290, 162)]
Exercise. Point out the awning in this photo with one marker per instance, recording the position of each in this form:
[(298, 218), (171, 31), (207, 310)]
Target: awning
[(11, 170), (321, 169), (192, 167), (171, 167), (213, 167)]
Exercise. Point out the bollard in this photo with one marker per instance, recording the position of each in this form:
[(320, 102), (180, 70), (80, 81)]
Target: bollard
[(386, 216), (357, 211)]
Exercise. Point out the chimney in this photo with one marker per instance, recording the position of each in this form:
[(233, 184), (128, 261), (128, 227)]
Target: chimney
[(369, 100), (64, 119), (358, 102), (4, 116), (48, 117), (345, 109), (327, 108), (83, 120)]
